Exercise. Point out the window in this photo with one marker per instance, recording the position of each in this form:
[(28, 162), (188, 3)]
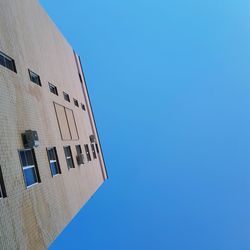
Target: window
[(35, 78), (93, 150), (53, 89), (53, 161), (7, 62), (83, 107), (2, 186), (86, 146), (78, 149), (79, 156), (29, 165), (76, 103), (68, 155), (66, 97), (97, 148), (80, 77)]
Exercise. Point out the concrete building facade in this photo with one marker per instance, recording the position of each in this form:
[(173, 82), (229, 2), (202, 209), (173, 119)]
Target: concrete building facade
[(51, 160)]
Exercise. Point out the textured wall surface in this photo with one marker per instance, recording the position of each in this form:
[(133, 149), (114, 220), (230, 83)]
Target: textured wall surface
[(31, 218)]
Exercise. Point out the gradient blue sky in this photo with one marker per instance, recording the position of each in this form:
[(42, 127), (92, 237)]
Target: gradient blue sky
[(170, 88)]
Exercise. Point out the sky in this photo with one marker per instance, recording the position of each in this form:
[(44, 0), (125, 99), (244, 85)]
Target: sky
[(169, 82)]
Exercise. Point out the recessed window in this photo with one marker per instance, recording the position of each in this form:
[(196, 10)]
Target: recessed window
[(97, 148), (86, 146), (29, 166), (35, 78), (80, 77), (66, 97), (76, 103), (7, 62), (78, 149), (83, 107), (68, 156), (53, 89), (2, 186), (93, 150), (79, 156), (53, 161)]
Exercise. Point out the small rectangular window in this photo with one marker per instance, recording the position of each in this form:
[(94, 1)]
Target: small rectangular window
[(79, 156), (93, 150), (76, 103), (80, 77), (7, 62), (83, 107), (3, 193), (68, 156), (78, 149), (53, 161), (29, 166), (86, 146), (97, 148), (53, 89), (35, 78), (66, 97)]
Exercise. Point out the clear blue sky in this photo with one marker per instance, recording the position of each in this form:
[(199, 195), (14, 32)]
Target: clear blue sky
[(170, 87)]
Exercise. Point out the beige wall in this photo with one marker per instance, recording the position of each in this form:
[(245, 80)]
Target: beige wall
[(32, 218)]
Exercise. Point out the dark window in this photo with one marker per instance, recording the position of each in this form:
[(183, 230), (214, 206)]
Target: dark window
[(83, 107), (86, 146), (7, 62), (78, 149), (29, 166), (79, 156), (53, 161), (69, 158), (35, 78), (3, 193), (66, 97), (53, 89), (93, 150), (80, 77), (76, 103), (97, 148)]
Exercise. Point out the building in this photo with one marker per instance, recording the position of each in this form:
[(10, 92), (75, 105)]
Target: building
[(51, 161)]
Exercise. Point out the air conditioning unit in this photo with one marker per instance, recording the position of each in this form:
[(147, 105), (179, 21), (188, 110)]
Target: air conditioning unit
[(80, 159), (30, 139), (92, 138)]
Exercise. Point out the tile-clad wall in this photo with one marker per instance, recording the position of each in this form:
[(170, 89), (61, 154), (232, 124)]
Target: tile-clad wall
[(32, 218)]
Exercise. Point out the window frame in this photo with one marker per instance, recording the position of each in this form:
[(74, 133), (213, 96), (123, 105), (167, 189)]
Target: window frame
[(87, 151), (76, 103), (78, 149), (4, 64), (34, 75), (53, 87), (35, 167), (92, 145), (66, 96), (53, 161), (97, 148), (83, 107), (69, 157)]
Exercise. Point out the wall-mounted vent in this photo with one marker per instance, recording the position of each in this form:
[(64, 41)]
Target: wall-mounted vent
[(80, 159), (92, 138)]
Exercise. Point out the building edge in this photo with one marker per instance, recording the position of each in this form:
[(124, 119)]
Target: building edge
[(93, 118)]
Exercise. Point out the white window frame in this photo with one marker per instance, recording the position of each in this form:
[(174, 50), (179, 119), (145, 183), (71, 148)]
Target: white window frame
[(54, 161), (69, 157), (28, 167)]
